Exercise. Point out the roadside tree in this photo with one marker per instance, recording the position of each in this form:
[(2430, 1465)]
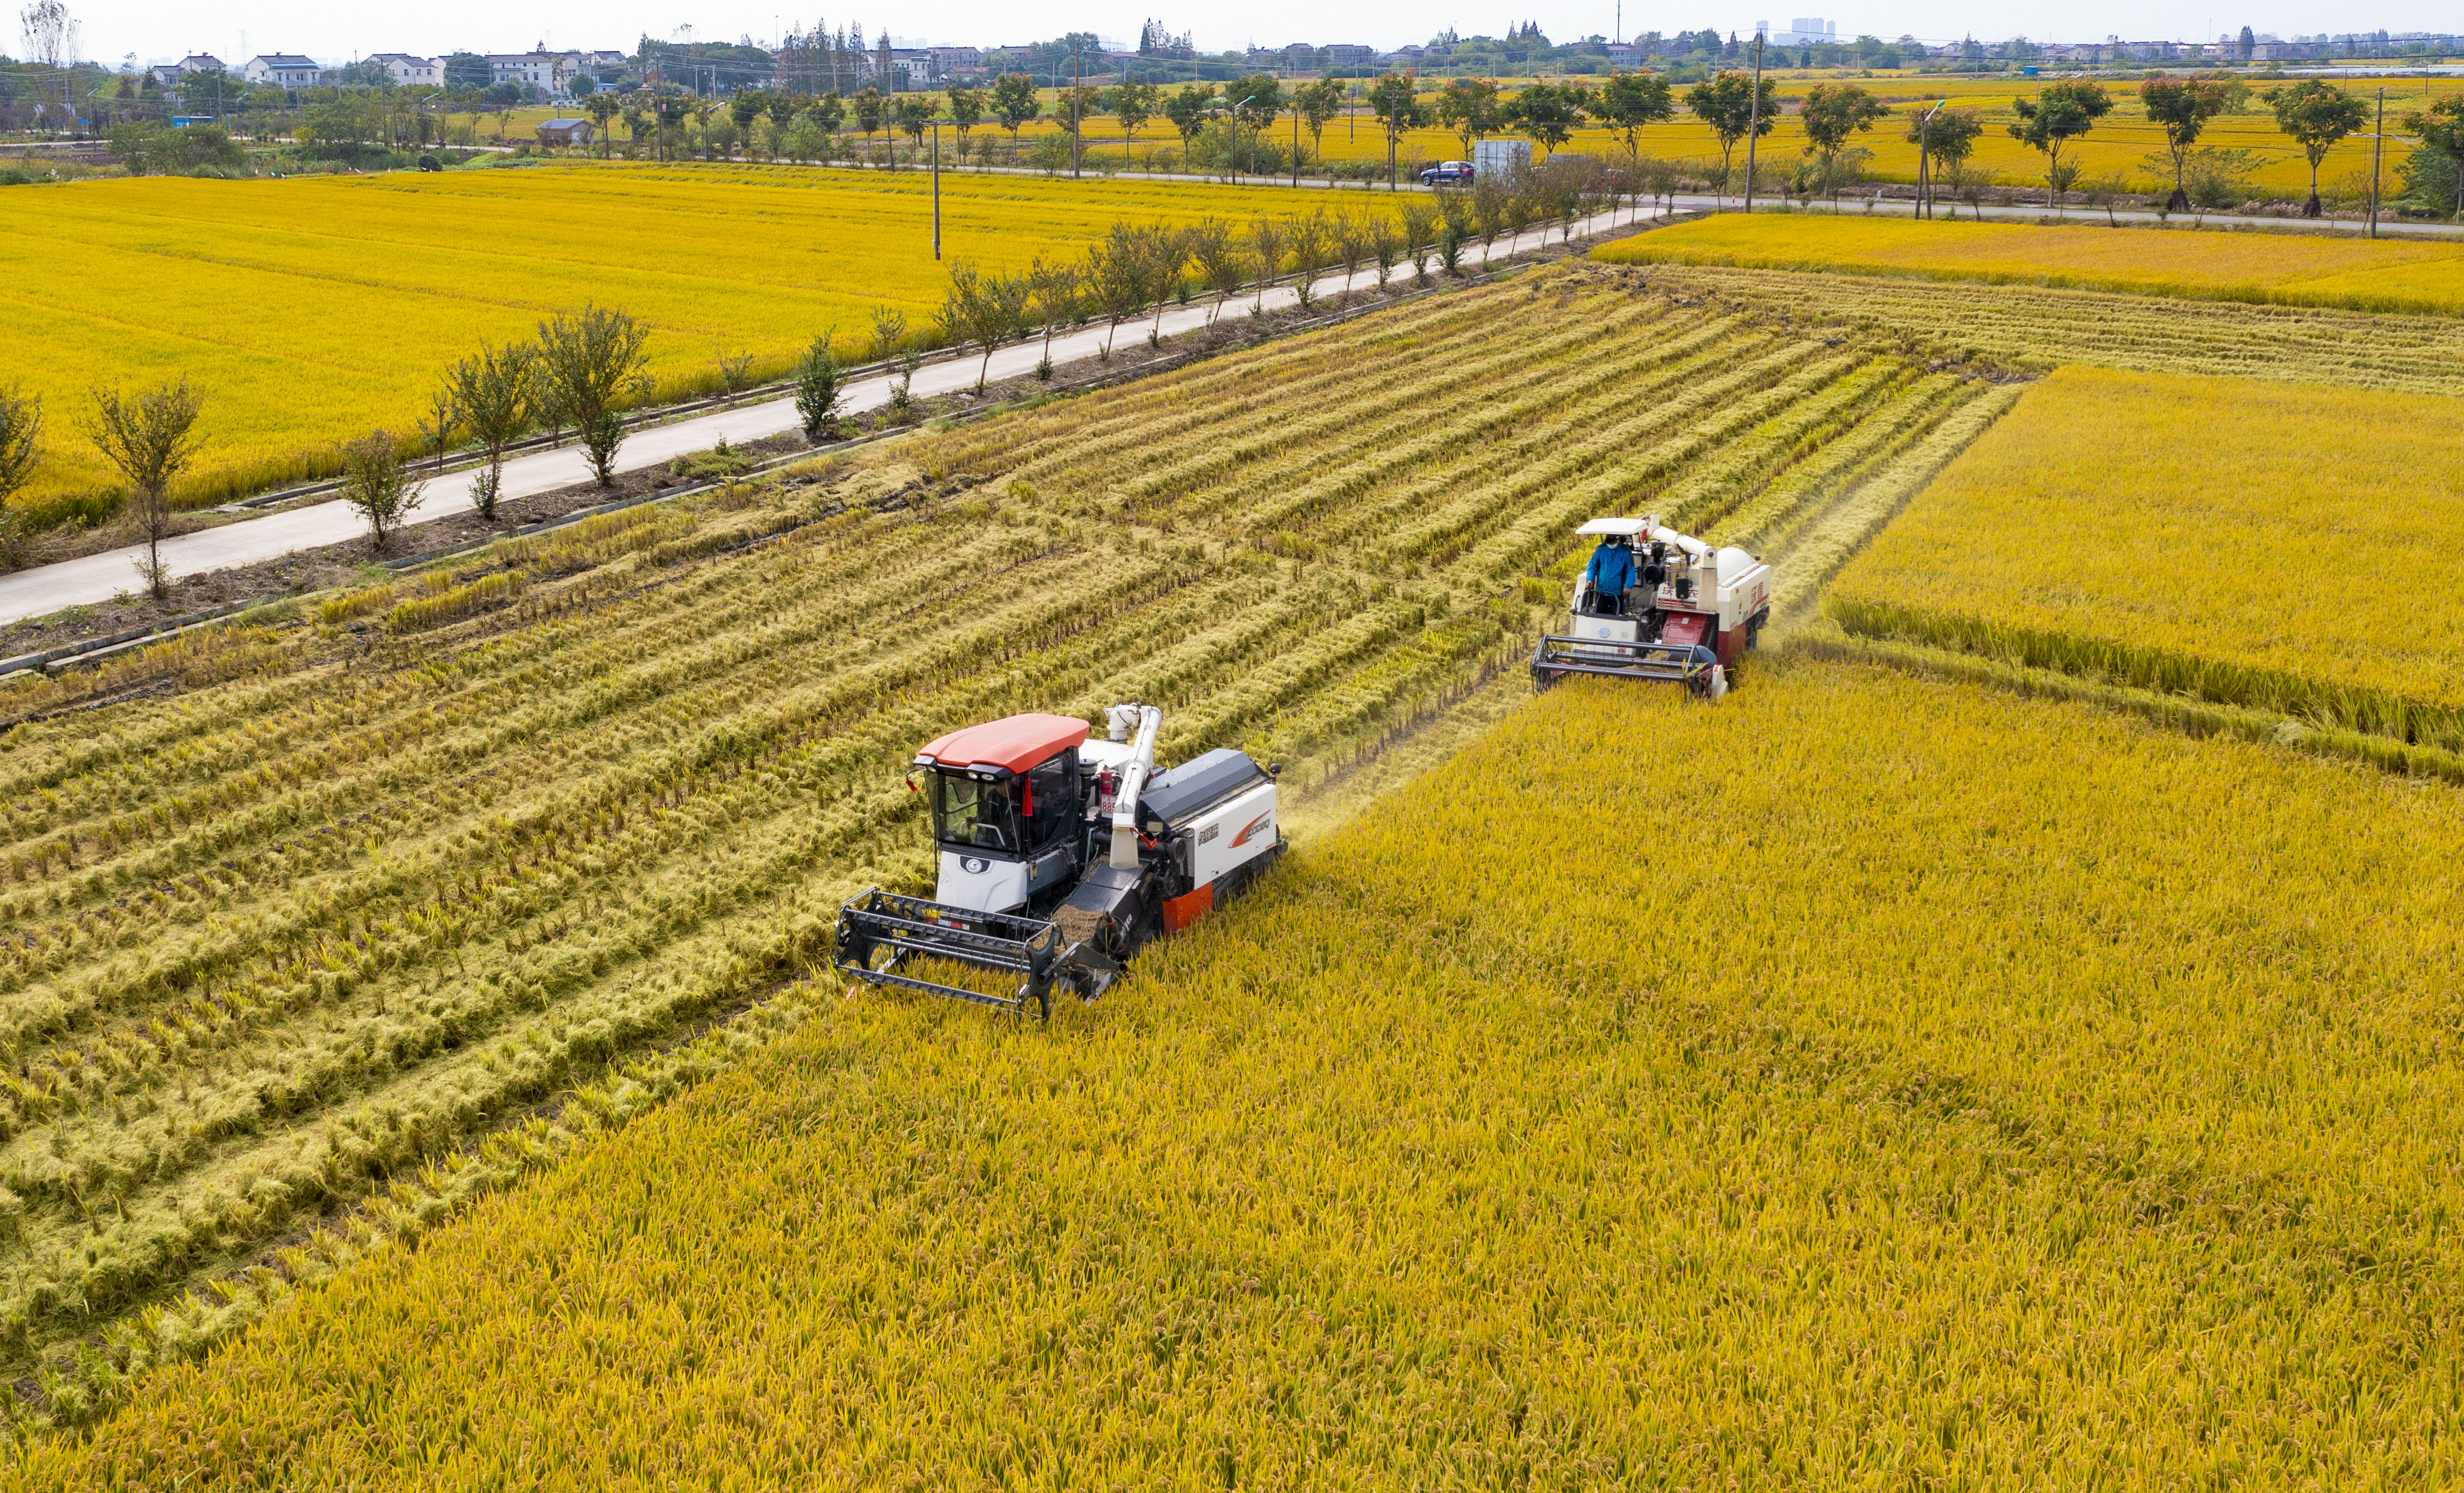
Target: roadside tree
[(2440, 128), (2181, 107), (1631, 101), (1266, 252), (587, 361), (2316, 113), (21, 420), (871, 112), (1727, 104), (377, 484), (1951, 139), (2061, 113), (495, 391), (1469, 106), (1189, 110), (1547, 112), (1318, 105), (1058, 289), (1831, 115), (1015, 103), (966, 104), (1395, 99), (1133, 104), (819, 389), (150, 438)]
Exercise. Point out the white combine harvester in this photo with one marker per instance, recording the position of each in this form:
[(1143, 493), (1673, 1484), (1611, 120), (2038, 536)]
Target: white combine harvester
[(1692, 611), (1060, 855)]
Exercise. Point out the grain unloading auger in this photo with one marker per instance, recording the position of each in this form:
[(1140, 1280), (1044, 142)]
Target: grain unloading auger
[(1659, 606), (1062, 855)]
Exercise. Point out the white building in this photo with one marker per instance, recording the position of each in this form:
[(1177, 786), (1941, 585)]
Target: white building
[(411, 72), (282, 69), (545, 70), (1808, 30), (169, 74)]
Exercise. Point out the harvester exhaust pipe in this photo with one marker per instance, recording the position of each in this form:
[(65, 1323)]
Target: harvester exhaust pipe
[(1119, 721)]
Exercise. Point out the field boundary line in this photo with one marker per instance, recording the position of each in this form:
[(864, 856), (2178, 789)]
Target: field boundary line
[(2184, 712)]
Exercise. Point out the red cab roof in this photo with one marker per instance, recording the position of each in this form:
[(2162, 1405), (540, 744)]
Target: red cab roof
[(1017, 744)]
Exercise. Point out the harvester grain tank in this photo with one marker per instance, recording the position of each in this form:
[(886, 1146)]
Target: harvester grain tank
[(1692, 613), (1060, 855)]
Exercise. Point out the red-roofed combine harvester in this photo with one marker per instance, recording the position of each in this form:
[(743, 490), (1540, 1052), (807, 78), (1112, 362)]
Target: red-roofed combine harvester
[(1062, 855)]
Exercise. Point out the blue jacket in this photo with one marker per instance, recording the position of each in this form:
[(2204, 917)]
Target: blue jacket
[(1612, 569)]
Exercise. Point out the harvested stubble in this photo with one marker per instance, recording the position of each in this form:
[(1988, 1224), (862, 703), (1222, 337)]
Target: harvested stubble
[(2272, 269), (2031, 327), (2289, 548), (1975, 1108), (283, 938)]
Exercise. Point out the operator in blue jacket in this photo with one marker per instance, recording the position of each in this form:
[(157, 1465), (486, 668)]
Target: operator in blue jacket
[(1612, 575)]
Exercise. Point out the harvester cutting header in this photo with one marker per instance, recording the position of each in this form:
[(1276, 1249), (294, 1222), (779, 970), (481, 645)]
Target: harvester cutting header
[(1062, 855), (1659, 606)]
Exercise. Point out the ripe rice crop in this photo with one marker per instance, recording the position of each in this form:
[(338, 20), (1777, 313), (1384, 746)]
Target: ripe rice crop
[(2031, 327), (309, 311), (1940, 1124), (280, 941), (2255, 543), (2284, 268)]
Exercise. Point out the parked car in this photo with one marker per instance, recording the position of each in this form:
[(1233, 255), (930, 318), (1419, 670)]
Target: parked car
[(1447, 173)]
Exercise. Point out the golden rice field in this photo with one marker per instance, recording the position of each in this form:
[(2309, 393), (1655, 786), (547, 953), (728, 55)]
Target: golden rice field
[(2281, 269), (2271, 544), (310, 309), (2039, 329), (1977, 1107), (338, 894)]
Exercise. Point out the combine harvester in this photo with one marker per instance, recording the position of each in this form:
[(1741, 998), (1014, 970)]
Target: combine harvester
[(1692, 611), (1062, 855)]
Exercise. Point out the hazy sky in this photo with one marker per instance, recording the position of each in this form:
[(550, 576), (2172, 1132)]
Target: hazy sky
[(157, 30)]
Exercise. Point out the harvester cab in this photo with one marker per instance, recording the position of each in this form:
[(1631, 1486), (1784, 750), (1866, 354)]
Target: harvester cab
[(1685, 614), (1060, 855)]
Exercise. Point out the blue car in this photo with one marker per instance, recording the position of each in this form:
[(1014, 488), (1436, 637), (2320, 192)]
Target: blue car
[(1447, 173)]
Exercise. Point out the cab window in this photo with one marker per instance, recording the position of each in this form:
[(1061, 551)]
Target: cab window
[(971, 814), (1052, 790)]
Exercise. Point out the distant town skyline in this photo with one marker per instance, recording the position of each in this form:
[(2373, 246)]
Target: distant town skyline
[(161, 30)]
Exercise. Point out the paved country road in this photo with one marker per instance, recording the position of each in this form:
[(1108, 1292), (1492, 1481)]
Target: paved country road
[(97, 578)]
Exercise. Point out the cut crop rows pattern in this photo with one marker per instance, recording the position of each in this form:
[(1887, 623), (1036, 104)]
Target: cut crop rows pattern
[(279, 940), (2029, 327)]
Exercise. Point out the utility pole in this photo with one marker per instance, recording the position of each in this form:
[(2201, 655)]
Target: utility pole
[(1077, 76), (1753, 120), (2378, 148), (1296, 148), (1924, 160), (937, 191)]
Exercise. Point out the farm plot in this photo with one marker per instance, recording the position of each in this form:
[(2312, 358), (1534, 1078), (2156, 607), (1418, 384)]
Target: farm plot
[(307, 312), (2031, 328), (280, 942), (2283, 547), (2282, 269), (1980, 1107)]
